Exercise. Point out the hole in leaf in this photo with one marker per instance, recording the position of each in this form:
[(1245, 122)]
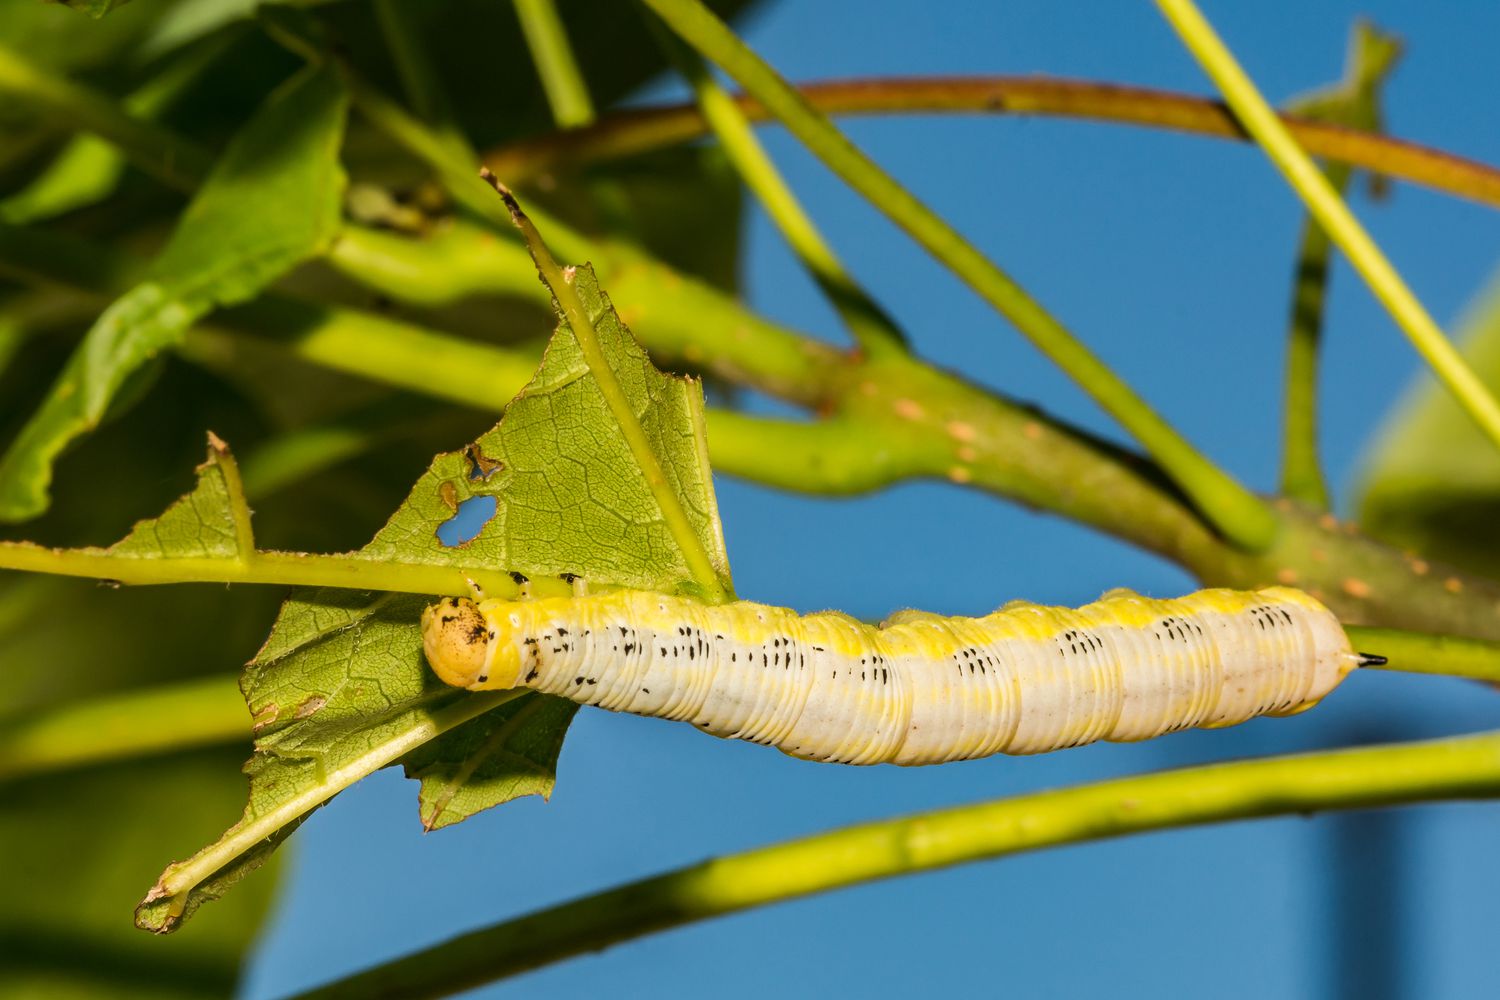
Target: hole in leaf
[(481, 466), (464, 526)]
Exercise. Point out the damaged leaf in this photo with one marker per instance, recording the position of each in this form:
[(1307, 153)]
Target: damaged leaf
[(341, 687)]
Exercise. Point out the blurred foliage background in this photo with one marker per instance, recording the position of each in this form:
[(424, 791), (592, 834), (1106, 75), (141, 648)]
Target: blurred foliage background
[(78, 221), (92, 840)]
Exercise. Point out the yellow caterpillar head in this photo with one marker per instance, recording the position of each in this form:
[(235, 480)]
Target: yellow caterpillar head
[(462, 647)]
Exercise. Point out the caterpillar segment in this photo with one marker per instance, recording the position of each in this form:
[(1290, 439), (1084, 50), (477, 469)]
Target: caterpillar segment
[(918, 689)]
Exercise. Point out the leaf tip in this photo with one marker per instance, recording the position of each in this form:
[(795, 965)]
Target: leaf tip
[(151, 914)]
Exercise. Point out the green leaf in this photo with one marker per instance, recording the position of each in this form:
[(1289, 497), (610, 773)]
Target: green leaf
[(341, 688), (502, 755), (1432, 480), (208, 523), (271, 201), (85, 172)]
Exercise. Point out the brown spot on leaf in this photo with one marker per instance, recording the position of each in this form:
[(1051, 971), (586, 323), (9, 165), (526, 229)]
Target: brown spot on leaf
[(309, 706), (266, 715), (448, 493)]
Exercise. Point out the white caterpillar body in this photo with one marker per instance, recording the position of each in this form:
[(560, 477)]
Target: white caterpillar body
[(920, 689)]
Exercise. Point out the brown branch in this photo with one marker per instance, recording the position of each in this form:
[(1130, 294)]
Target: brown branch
[(623, 133)]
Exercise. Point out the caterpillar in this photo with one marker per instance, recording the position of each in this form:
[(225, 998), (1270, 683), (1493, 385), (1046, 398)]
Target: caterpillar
[(918, 689)]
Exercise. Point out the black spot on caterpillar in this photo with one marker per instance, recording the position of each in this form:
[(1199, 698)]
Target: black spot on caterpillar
[(1029, 678)]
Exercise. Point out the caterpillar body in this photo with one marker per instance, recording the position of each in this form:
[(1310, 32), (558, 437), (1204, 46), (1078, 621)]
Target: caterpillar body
[(920, 688)]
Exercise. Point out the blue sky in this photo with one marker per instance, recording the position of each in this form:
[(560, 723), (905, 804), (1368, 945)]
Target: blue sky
[(1161, 251)]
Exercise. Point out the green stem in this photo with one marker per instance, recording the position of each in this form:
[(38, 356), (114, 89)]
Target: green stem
[(561, 283), (296, 569), (561, 78), (369, 345), (678, 317), (1333, 215), (1464, 767), (203, 712), (179, 880), (1301, 468), (174, 161), (1355, 101), (402, 34), (640, 130), (1238, 513), (1428, 653), (872, 328)]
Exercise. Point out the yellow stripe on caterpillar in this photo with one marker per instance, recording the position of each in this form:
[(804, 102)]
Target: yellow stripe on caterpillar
[(920, 689)]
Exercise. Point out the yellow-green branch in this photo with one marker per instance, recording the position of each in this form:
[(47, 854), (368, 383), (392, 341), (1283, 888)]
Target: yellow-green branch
[(128, 725), (562, 80), (1239, 514), (291, 569), (1333, 215), (1354, 101), (1458, 768), (400, 27), (1427, 653)]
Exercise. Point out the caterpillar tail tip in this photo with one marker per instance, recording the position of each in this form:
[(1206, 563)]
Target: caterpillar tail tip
[(1371, 660)]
